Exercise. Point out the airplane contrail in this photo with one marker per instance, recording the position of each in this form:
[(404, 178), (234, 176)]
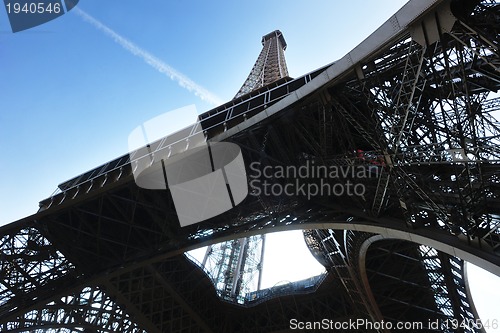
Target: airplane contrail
[(151, 60)]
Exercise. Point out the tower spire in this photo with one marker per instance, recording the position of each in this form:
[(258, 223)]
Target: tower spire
[(270, 65), (236, 266)]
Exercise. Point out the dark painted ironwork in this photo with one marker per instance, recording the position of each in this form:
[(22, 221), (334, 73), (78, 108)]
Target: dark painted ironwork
[(416, 107)]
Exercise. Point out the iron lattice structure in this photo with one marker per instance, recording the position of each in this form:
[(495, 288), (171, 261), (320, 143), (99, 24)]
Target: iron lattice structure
[(270, 65), (396, 281), (235, 267), (226, 263), (413, 105)]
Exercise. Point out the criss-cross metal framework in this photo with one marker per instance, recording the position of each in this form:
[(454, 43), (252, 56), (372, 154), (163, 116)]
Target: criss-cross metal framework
[(397, 281), (270, 65), (235, 267), (412, 109)]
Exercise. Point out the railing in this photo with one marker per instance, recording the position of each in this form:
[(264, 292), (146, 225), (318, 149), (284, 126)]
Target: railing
[(215, 121)]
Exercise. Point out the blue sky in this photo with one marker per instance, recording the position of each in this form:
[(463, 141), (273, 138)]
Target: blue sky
[(71, 95)]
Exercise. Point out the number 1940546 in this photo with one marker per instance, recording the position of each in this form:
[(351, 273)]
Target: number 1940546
[(33, 7)]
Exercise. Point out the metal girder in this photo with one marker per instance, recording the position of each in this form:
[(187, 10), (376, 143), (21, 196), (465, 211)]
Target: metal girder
[(89, 310), (394, 280), (270, 65)]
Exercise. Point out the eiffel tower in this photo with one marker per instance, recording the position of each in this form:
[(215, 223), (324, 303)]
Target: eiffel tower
[(412, 109), (236, 266)]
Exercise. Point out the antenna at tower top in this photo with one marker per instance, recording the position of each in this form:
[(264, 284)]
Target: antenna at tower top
[(270, 65)]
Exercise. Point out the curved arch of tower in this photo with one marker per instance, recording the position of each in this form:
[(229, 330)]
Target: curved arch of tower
[(270, 65)]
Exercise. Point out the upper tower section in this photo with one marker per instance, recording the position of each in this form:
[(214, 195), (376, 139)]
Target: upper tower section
[(270, 65)]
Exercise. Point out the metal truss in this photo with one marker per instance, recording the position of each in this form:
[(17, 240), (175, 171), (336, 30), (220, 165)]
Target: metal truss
[(417, 111), (441, 289), (325, 246), (30, 265), (270, 65), (396, 281), (425, 102), (89, 310), (235, 267)]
